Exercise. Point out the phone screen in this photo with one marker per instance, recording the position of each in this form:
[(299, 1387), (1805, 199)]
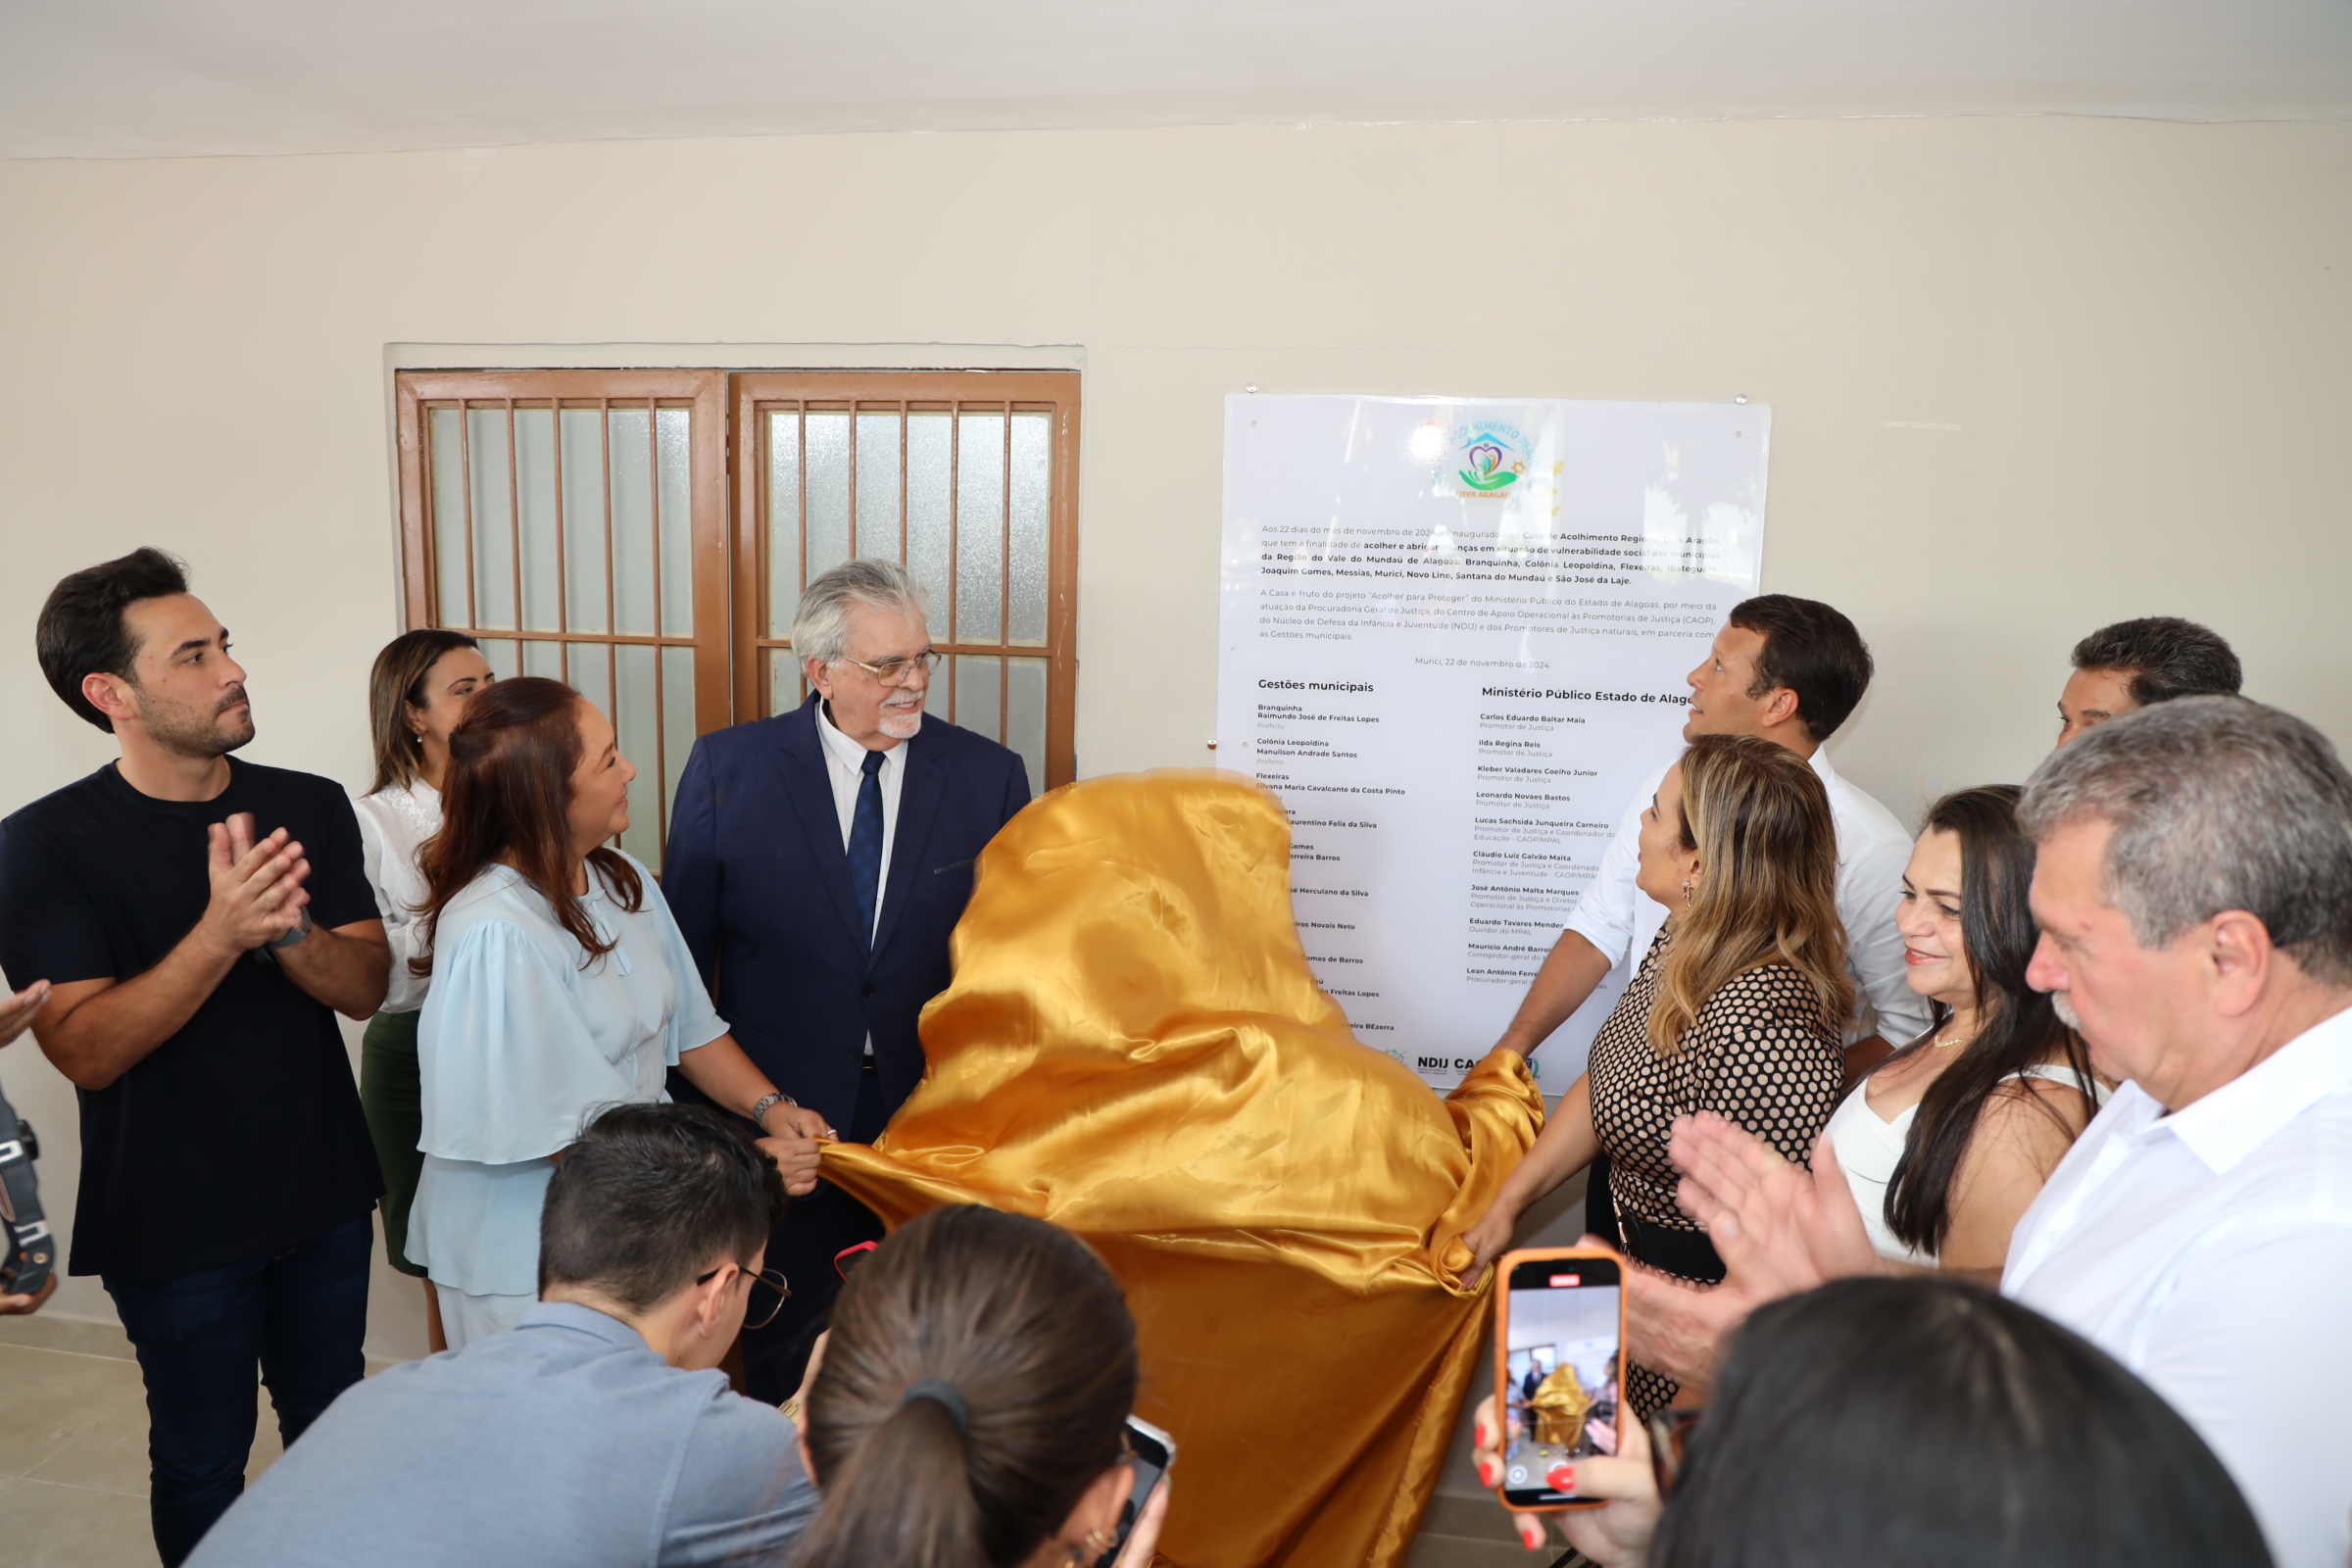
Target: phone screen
[(1155, 1450), (1562, 1374)]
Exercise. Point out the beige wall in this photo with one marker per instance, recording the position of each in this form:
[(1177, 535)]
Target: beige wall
[(2026, 375)]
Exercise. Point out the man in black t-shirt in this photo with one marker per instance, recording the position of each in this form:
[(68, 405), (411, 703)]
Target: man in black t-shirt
[(200, 921)]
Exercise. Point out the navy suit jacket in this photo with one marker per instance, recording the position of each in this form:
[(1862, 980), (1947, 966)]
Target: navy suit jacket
[(755, 874)]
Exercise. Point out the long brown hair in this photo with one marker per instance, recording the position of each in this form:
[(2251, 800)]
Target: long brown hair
[(2017, 1026), (1030, 1331), (1767, 891), (394, 686), (507, 800)]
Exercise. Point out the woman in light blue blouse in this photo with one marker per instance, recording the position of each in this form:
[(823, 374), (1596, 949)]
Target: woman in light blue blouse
[(561, 985)]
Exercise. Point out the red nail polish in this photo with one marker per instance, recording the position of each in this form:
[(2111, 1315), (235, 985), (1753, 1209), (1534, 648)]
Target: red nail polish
[(1478, 1435), (1561, 1478), (1488, 1472), (1531, 1534)]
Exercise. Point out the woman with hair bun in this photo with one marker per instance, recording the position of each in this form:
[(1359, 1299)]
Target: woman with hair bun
[(560, 984), (969, 1408)]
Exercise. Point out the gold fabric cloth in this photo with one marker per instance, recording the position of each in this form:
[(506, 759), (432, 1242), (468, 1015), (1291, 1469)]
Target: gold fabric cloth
[(1134, 1049), (1560, 1403)]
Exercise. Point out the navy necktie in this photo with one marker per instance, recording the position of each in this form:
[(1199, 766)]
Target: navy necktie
[(865, 842)]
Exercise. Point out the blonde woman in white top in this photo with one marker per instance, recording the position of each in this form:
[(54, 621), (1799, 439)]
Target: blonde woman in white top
[(1946, 1142), (416, 694)]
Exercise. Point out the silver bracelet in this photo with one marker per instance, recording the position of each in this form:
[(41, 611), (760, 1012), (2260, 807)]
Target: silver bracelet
[(769, 1102)]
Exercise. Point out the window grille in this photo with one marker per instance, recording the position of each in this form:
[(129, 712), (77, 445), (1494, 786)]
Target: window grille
[(576, 523), (966, 478)]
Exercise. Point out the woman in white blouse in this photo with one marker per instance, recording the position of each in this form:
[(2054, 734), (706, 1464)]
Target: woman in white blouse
[(1947, 1141), (560, 984), (415, 695)]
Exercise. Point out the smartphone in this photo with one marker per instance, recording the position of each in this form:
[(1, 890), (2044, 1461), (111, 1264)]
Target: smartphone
[(1155, 1450), (1559, 1333)]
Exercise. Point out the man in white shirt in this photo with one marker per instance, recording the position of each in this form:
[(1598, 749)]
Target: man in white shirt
[(2195, 890), (1789, 670)]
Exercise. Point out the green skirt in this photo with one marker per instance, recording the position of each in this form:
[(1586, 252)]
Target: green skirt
[(391, 1100)]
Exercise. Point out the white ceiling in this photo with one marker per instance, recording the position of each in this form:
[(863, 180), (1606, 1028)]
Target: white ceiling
[(134, 78)]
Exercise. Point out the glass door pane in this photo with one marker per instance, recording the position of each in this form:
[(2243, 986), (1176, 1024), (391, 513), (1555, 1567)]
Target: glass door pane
[(979, 528), (561, 532)]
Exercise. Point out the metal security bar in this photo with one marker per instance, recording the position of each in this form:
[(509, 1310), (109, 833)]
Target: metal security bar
[(968, 480), (573, 523)]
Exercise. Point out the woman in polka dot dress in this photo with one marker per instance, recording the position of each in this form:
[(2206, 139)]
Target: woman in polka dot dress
[(1733, 1010)]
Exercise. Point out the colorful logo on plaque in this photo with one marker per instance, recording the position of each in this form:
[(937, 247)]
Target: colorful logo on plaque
[(1490, 458)]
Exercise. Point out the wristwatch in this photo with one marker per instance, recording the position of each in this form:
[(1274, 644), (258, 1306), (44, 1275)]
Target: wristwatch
[(301, 929), (768, 1102)]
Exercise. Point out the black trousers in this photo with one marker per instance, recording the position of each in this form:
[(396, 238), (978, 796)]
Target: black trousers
[(299, 1315), (802, 1249)]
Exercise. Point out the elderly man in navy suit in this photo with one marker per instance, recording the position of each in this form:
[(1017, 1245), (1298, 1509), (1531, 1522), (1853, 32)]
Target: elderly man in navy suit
[(817, 863)]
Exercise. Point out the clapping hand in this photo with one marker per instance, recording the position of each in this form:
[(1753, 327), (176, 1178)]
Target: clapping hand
[(1680, 1329), (1779, 1227), (1615, 1536), (256, 895)]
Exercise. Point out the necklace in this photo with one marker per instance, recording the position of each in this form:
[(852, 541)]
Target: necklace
[(1942, 1042)]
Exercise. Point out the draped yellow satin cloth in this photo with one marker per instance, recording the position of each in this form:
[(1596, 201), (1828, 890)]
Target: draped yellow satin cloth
[(1134, 1049), (1560, 1403)]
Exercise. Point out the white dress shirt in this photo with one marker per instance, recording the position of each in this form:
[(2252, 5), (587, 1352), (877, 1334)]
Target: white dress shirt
[(1620, 919), (845, 768), (2210, 1250), (394, 823)]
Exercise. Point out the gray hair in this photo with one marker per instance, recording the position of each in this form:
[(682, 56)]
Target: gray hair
[(820, 624), (2215, 803)]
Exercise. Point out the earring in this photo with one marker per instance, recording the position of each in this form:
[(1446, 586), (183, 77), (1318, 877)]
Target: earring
[(1690, 892), (1097, 1543)]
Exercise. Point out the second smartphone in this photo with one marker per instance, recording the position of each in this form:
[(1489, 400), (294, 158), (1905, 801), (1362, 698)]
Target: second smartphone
[(1559, 1338)]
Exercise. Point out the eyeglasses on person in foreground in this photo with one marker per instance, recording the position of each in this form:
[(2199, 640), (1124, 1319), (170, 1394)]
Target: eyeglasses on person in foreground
[(752, 1316)]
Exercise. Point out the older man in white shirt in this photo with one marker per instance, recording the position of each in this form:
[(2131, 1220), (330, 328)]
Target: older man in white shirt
[(2195, 891)]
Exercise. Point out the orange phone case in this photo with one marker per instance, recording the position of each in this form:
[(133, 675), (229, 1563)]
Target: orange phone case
[(1503, 1267)]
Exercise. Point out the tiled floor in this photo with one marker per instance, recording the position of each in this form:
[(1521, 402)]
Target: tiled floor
[(1471, 1533), (73, 1447)]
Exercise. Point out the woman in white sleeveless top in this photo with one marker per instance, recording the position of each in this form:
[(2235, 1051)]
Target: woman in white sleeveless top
[(1947, 1141)]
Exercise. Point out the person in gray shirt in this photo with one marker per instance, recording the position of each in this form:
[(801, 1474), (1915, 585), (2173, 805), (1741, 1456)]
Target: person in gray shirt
[(596, 1432)]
